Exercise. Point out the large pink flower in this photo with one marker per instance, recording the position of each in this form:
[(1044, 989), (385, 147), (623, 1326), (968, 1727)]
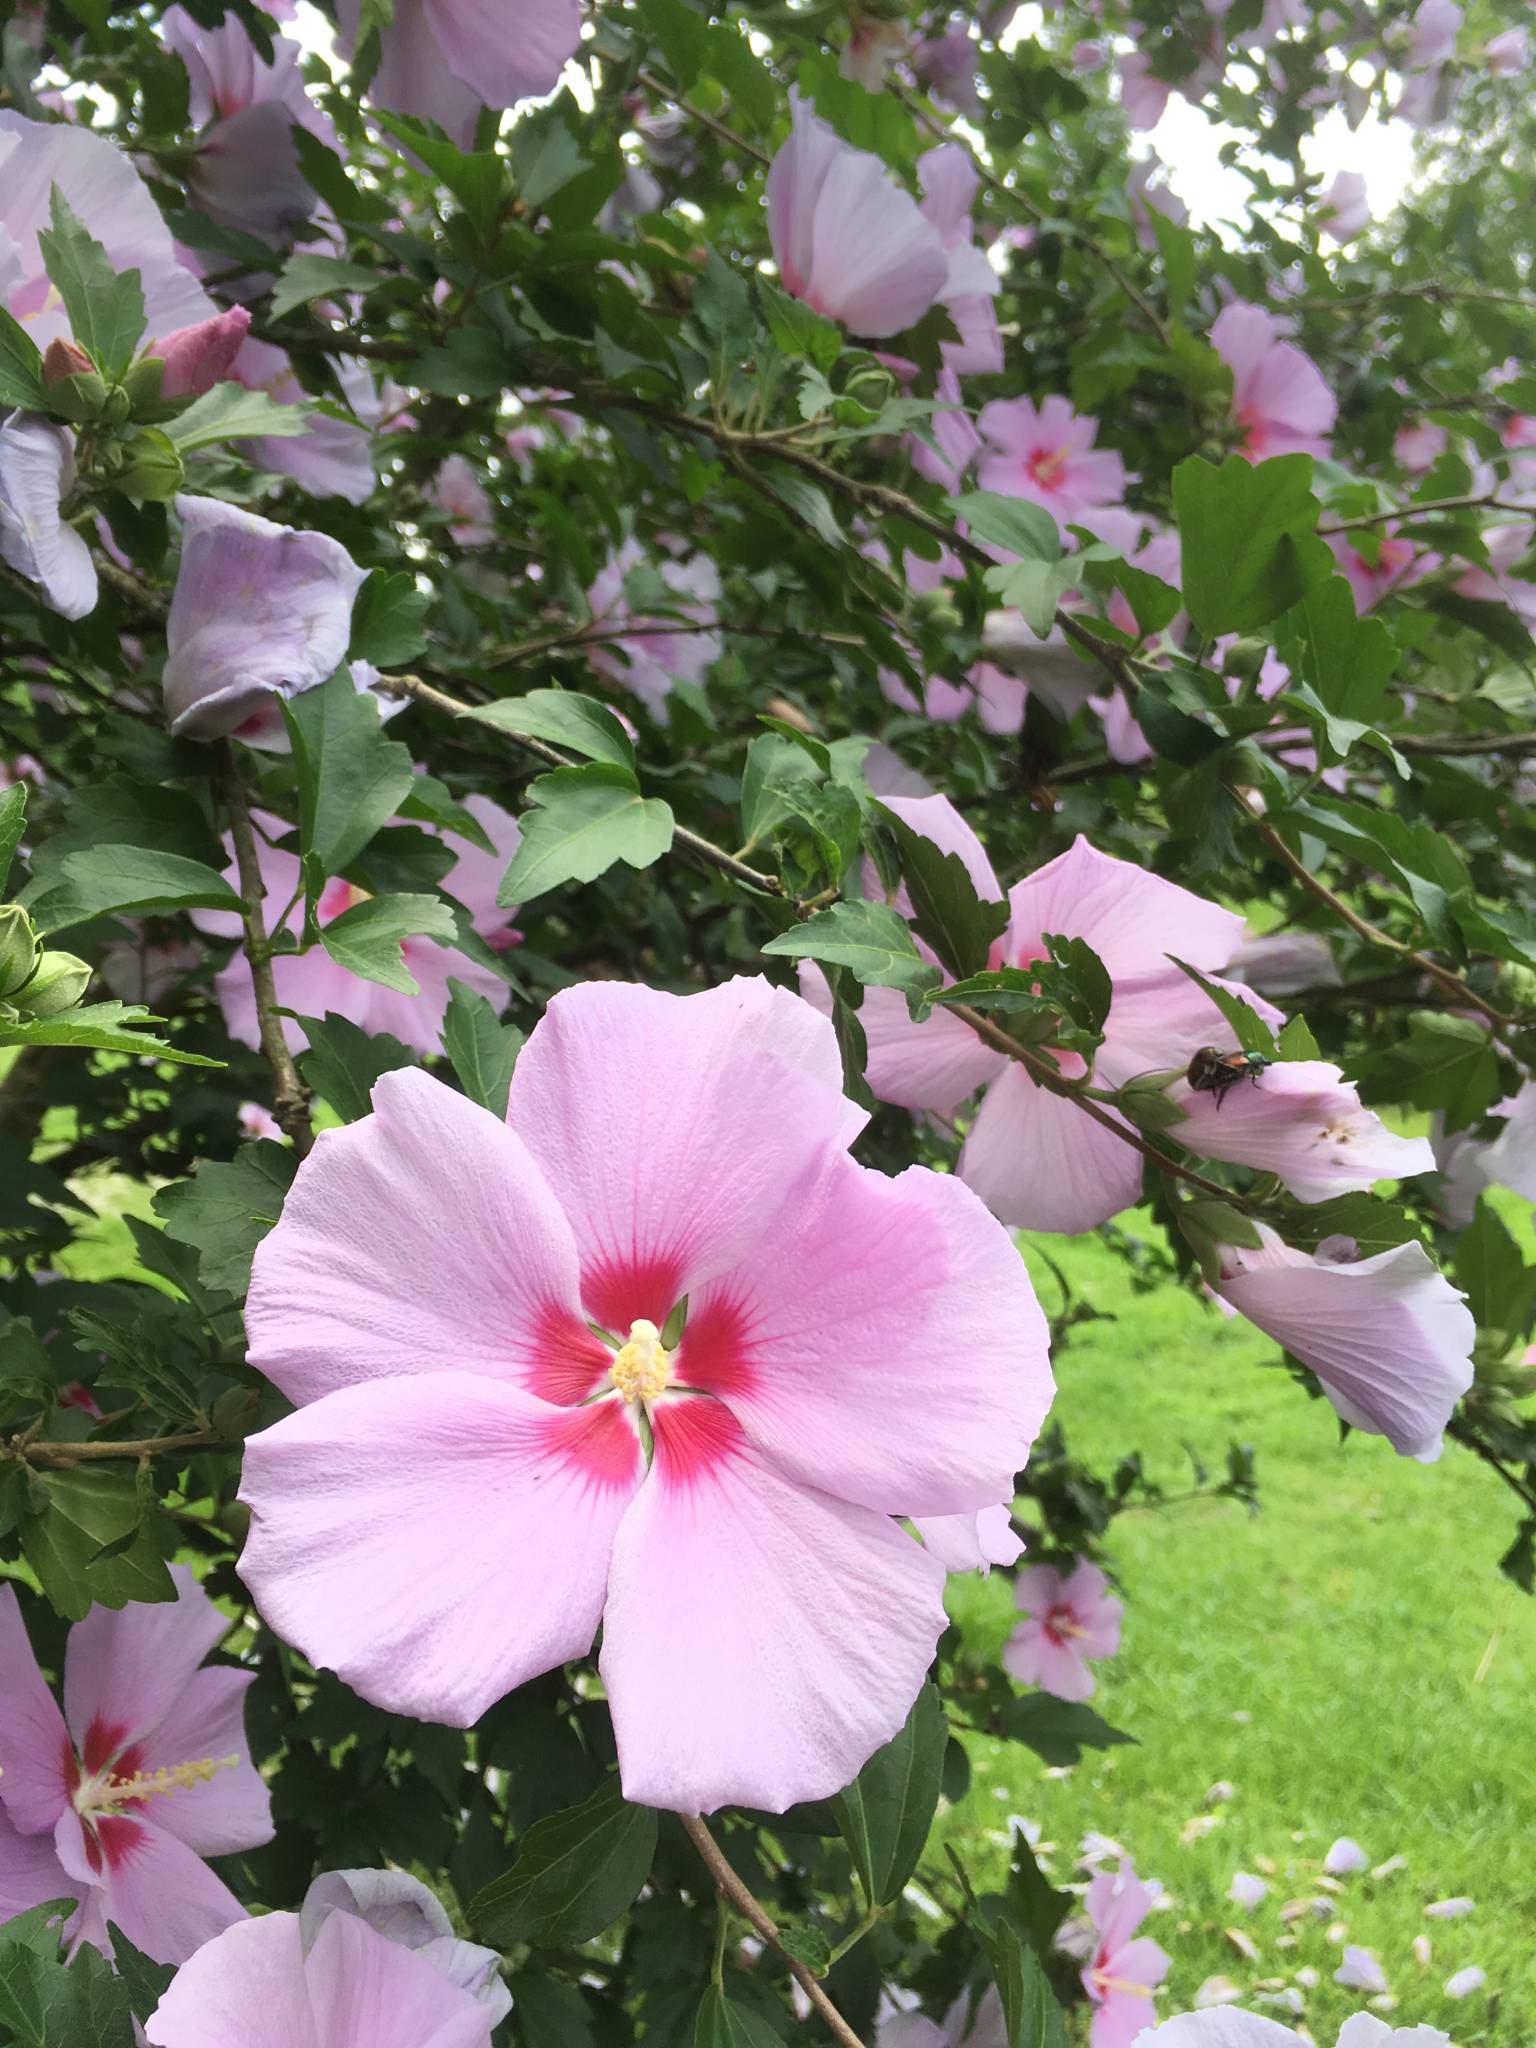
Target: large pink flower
[(656, 653), (1302, 1120), (1388, 1336), (1036, 1160), (1069, 1617), (116, 1801), (474, 1480), (950, 182), (333, 1979), (847, 238), (1280, 404), (331, 457), (444, 60), (1124, 1969), (1046, 454), (313, 983)]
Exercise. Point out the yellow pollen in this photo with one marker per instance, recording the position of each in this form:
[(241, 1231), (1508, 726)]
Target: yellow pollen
[(641, 1368), (104, 1795)]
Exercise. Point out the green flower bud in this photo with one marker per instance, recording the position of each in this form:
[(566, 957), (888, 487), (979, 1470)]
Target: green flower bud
[(79, 399), (936, 608), (19, 948), (58, 984), (117, 408), (152, 468), (1245, 657), (142, 381)]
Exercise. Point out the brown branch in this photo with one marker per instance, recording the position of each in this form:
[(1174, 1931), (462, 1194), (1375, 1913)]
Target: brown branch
[(709, 121), (34, 1451), (731, 1888), (1421, 508), (1464, 993), (291, 1099)]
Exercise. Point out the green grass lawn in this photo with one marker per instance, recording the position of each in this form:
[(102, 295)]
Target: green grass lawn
[(1351, 1660)]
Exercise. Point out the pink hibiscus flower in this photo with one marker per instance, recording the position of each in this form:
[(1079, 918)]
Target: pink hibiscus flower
[(457, 491), (1303, 1121), (856, 1349), (116, 1801), (313, 983), (1070, 1617), (1124, 1969), (1280, 404), (443, 60), (656, 652), (847, 238), (1388, 1336), (1399, 561), (1035, 1159), (1046, 454)]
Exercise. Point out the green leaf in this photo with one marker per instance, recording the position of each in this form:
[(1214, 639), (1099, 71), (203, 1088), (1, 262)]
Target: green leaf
[(483, 1049), (724, 2022), (545, 155), (228, 412), (870, 939), (304, 277), (1057, 1730), (124, 878), (1376, 1226), (1032, 1899), (106, 310), (1245, 1023), (682, 36), (478, 179), (584, 820), (1025, 530), (389, 619), (1346, 660), (798, 330), (343, 1061), (227, 1208), (564, 718), (1447, 1062), (82, 1514), (1499, 1286), (144, 1980), (367, 939), (1296, 1041), (103, 1027), (13, 824), (888, 1809), (1246, 539), (1031, 2016), (351, 778), (576, 1872), (773, 762), (21, 367), (947, 909)]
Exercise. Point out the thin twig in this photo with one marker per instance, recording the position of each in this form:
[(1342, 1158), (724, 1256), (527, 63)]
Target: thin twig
[(730, 1887), (1424, 506), (709, 121), (291, 1098), (1445, 976), (33, 1451)]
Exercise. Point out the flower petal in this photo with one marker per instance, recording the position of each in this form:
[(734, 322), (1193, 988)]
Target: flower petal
[(883, 1343), (126, 1668), (421, 1239), (35, 1749), (30, 1871), (479, 47), (245, 1990), (1041, 1163), (1132, 919), (437, 1540), (368, 1992), (141, 1879), (761, 1640), (37, 467), (671, 1128), (232, 1810), (932, 1065)]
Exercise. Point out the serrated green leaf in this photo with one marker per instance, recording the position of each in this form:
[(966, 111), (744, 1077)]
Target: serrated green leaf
[(1025, 530), (229, 412), (584, 819), (227, 1208), (342, 1062), (1057, 1730), (1031, 2016), (304, 277), (873, 941), (13, 824), (1247, 540), (367, 939), (84, 1514), (21, 367), (351, 778), (482, 1048), (724, 2022), (105, 308), (103, 1027), (564, 718), (947, 909), (389, 619), (575, 1873), (1247, 1026)]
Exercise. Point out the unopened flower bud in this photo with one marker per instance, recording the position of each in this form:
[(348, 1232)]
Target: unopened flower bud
[(79, 398), (936, 608), (152, 468), (144, 381), (63, 359), (1246, 657), (19, 948), (117, 408), (58, 984)]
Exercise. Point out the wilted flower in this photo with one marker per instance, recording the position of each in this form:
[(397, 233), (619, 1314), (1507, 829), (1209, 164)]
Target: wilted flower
[(853, 1349), (1070, 1617), (1464, 1982), (1447, 1909), (1246, 1890), (116, 1801)]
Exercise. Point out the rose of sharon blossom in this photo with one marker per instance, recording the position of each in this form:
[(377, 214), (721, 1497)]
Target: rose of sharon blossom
[(1388, 1336), (259, 610), (1123, 1969), (1069, 1617), (246, 172), (313, 983), (970, 2022), (1397, 561), (332, 1976), (116, 1801), (37, 472), (457, 491), (198, 357), (950, 182), (1346, 207), (443, 60), (401, 1908), (1046, 455), (105, 190), (1229, 2028), (848, 239), (465, 1491), (1036, 1160), (1280, 404), (651, 655), (331, 457), (1302, 1120)]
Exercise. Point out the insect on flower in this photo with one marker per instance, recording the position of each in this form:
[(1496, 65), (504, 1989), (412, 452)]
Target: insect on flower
[(1212, 1072)]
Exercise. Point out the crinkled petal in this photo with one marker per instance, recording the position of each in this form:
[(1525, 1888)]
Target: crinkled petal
[(876, 264), (420, 1240), (883, 1343), (35, 1749), (671, 1128), (437, 1541), (370, 1993), (761, 1640), (1040, 1162)]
